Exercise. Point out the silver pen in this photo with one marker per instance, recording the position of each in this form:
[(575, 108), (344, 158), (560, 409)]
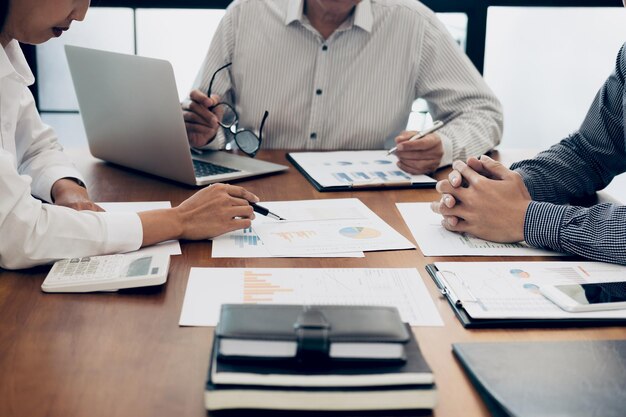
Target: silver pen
[(436, 126)]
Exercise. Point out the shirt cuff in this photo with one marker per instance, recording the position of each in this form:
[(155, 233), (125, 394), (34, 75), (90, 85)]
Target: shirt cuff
[(218, 142), (542, 225), (528, 182), (124, 232), (448, 151), (42, 187)]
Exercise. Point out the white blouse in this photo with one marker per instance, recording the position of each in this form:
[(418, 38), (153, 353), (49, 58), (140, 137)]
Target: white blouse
[(31, 161)]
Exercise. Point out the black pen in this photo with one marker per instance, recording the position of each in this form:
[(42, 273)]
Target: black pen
[(265, 212)]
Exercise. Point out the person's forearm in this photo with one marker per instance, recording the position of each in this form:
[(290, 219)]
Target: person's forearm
[(160, 225), (597, 233)]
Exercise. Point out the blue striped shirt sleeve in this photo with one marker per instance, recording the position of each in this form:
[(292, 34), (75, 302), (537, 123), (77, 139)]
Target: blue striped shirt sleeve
[(578, 166)]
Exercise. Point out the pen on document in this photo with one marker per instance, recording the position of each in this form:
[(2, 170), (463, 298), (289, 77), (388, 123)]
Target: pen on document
[(265, 212), (436, 126)]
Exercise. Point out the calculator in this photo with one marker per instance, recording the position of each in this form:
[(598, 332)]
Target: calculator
[(107, 273)]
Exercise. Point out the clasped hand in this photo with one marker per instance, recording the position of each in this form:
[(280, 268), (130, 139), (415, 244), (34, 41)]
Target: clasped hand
[(485, 199)]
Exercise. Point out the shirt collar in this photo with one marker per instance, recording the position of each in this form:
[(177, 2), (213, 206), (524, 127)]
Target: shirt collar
[(13, 63), (363, 16)]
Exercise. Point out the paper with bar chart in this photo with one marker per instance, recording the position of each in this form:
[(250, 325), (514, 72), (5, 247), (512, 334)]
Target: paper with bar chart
[(171, 247), (511, 289), (354, 228), (434, 240), (355, 168), (209, 288)]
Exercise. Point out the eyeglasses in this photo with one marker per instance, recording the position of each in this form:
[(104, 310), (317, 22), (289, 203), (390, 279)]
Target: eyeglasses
[(246, 139)]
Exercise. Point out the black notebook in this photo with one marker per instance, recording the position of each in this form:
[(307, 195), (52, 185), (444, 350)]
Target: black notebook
[(545, 379), (330, 386), (348, 332)]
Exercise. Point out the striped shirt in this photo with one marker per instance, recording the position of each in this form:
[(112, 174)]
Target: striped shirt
[(353, 90), (578, 166)]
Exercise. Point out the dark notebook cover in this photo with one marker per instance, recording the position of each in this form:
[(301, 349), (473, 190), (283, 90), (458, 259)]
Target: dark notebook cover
[(415, 363), (537, 379), (346, 323)]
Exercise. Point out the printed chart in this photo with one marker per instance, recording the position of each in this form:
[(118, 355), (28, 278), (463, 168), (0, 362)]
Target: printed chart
[(209, 288), (511, 289)]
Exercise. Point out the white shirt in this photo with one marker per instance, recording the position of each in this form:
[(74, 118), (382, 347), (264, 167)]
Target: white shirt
[(31, 161), (353, 90)]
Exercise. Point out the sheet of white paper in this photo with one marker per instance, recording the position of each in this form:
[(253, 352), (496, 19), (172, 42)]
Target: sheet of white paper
[(359, 168), (511, 289), (209, 288), (171, 247), (360, 229), (434, 240), (247, 244)]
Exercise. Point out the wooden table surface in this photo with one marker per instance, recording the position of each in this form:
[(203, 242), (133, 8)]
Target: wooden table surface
[(123, 354)]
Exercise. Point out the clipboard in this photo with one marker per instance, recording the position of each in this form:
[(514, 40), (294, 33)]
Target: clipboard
[(358, 186), (470, 323)]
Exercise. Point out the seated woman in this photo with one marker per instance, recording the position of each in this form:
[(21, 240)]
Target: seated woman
[(68, 224)]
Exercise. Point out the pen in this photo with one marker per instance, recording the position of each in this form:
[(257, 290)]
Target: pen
[(436, 126), (265, 212)]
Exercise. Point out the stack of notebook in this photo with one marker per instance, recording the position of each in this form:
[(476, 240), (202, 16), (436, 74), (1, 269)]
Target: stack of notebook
[(328, 358)]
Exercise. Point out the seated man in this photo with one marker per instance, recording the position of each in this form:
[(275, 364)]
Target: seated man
[(529, 201), (340, 75)]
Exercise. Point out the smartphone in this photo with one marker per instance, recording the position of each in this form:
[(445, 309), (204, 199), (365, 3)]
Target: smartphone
[(587, 297)]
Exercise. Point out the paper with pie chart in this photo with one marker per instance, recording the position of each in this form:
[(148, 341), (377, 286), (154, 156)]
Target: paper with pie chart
[(510, 290), (352, 227)]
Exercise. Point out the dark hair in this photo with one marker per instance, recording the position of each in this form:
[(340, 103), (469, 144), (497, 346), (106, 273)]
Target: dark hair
[(4, 12)]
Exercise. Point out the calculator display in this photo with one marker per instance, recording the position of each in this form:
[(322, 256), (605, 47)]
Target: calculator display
[(139, 267)]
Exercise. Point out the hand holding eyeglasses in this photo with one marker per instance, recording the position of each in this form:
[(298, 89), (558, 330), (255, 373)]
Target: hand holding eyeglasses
[(205, 114), (202, 118)]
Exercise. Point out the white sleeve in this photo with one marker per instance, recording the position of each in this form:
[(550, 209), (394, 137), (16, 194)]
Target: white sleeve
[(457, 94), (35, 233), (39, 154)]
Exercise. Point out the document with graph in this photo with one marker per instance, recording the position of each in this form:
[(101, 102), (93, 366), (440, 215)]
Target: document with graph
[(209, 288), (510, 290), (349, 170), (314, 228), (434, 240)]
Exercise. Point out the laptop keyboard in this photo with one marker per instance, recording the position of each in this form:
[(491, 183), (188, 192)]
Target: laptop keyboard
[(205, 169)]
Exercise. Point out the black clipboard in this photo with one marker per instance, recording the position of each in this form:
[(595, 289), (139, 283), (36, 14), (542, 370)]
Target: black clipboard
[(471, 323), (358, 187)]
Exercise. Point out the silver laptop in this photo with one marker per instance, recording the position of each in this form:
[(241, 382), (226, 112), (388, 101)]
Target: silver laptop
[(132, 117)]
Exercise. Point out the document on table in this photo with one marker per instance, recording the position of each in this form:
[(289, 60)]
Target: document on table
[(510, 290), (314, 228), (355, 169), (171, 247), (327, 226), (209, 288), (434, 240)]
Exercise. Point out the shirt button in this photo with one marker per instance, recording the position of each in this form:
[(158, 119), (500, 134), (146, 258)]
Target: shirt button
[(313, 135), (324, 48), (318, 92)]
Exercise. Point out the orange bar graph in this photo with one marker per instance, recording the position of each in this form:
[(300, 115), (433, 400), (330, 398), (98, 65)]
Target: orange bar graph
[(290, 236), (257, 288)]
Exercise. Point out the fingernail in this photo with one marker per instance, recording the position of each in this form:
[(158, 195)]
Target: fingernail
[(453, 178), (447, 201)]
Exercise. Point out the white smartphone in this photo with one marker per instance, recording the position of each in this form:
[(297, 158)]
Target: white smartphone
[(587, 297)]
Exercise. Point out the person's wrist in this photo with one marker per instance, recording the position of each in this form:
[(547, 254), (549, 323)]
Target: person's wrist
[(177, 217), (64, 185)]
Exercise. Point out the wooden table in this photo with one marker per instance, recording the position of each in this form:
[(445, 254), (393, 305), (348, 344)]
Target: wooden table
[(123, 354)]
